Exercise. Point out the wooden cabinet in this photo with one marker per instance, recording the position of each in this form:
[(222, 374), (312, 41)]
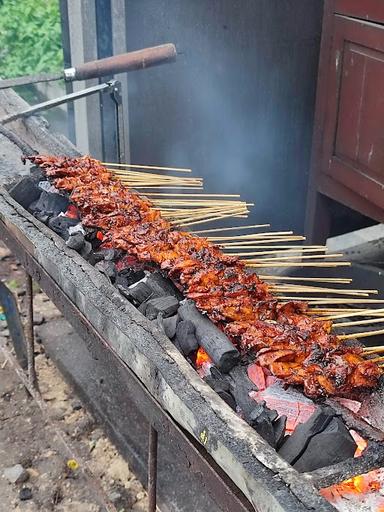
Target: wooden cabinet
[(348, 148)]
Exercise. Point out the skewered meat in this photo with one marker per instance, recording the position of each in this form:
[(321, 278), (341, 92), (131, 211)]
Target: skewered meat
[(294, 346)]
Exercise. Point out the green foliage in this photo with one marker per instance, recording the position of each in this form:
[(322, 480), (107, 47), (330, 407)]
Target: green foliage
[(30, 37)]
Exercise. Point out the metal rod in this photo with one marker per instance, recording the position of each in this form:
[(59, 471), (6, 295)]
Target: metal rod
[(29, 334), (59, 101), (119, 120), (152, 469)]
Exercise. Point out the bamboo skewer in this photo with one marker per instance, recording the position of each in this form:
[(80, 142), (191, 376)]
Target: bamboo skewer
[(255, 244), (215, 230), (262, 240), (373, 350), (155, 167), (332, 300), (335, 280), (360, 312), (206, 203), (278, 251), (314, 289), (164, 194), (206, 212), (132, 177), (361, 335), (196, 212), (146, 187), (376, 359), (359, 322), (330, 264), (249, 237), (145, 175), (299, 257), (210, 219), (331, 311)]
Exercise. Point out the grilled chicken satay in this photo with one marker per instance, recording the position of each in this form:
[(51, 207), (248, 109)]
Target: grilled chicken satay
[(293, 346)]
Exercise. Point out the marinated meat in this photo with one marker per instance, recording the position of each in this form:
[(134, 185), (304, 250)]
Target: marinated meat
[(292, 345)]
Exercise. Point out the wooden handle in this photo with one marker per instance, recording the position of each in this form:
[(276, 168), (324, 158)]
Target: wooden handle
[(130, 61)]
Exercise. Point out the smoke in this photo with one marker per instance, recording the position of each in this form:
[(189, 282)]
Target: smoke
[(237, 105)]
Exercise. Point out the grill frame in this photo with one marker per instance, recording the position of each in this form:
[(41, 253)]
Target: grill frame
[(267, 481), (44, 255)]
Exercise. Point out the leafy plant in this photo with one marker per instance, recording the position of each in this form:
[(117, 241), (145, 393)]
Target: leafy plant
[(30, 37)]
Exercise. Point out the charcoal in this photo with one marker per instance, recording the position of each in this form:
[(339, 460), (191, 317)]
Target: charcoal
[(162, 287), (97, 256), (165, 306), (217, 381), (241, 386), (123, 290), (75, 241), (298, 441), (25, 191), (143, 307), (279, 426), (60, 225), (140, 292), (43, 217), (260, 421), (86, 251), (321, 441), (168, 325), (37, 174), (106, 254), (128, 277), (272, 414), (224, 355), (228, 399), (51, 203), (107, 268), (112, 254), (185, 336), (335, 444)]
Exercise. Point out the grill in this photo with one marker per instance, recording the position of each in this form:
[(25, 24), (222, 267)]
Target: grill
[(217, 458)]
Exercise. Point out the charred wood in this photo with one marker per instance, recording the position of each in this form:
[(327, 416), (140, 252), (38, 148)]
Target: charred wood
[(224, 355), (75, 241), (25, 191), (185, 337), (168, 325), (372, 458), (163, 306), (321, 441)]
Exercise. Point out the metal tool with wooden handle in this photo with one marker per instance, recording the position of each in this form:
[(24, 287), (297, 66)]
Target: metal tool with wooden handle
[(139, 59)]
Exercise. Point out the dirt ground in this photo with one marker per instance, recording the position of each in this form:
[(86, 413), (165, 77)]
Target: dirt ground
[(70, 465)]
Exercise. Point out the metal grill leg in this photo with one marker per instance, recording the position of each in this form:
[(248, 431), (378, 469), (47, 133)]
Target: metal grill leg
[(152, 469), (29, 335)]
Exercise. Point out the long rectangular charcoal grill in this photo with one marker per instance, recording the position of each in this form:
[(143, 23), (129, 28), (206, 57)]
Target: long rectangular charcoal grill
[(218, 461)]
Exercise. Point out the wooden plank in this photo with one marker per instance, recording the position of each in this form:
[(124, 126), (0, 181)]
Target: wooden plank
[(372, 10), (344, 195)]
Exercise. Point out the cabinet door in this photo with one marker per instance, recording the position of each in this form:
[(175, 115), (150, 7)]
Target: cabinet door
[(353, 144)]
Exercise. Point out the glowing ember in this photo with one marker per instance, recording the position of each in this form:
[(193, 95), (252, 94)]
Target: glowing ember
[(360, 441), (202, 357), (363, 492), (72, 212)]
